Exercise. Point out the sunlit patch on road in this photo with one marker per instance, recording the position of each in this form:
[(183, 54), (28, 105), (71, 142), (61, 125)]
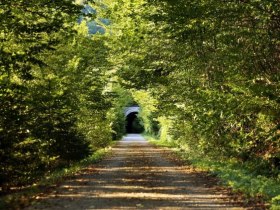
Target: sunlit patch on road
[(138, 175)]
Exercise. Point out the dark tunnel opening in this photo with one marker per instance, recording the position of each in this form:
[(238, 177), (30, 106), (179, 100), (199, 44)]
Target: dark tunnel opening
[(133, 124)]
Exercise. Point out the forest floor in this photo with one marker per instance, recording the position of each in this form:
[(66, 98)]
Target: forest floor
[(137, 175)]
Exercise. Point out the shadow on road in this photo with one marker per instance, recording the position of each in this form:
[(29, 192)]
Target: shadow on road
[(138, 175)]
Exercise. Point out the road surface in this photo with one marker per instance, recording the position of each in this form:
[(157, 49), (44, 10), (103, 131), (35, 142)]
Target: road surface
[(138, 175)]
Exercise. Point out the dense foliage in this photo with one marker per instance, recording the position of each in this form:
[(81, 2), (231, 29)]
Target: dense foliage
[(213, 68), (204, 72), (53, 96)]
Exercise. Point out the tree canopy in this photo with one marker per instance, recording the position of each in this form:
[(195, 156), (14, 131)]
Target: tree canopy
[(212, 67), (204, 73)]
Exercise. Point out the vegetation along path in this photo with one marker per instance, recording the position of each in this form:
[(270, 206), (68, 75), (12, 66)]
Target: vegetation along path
[(138, 175)]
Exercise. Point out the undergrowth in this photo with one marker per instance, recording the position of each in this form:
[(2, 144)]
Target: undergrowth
[(232, 173), (24, 197)]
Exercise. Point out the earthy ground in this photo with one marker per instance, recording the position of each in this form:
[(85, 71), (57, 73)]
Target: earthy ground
[(138, 176)]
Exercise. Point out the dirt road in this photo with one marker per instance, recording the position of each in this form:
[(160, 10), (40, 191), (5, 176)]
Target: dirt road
[(138, 176)]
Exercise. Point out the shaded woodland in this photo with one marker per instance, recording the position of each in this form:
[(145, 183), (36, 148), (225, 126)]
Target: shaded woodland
[(205, 74)]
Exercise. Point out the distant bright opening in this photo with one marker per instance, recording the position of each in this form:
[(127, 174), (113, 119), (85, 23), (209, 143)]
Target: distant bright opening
[(133, 124)]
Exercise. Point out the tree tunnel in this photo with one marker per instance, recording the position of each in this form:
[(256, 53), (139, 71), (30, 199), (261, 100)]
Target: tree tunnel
[(133, 124)]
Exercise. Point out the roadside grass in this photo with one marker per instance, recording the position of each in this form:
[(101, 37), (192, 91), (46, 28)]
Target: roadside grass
[(237, 176), (22, 198)]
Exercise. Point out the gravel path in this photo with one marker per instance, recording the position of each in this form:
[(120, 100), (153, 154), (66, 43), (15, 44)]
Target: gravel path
[(138, 176)]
